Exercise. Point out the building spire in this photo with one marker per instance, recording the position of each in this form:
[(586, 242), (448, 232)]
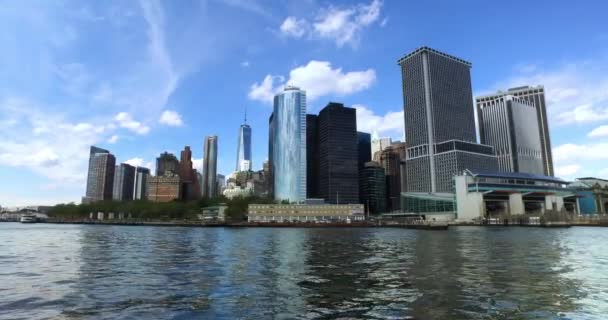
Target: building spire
[(245, 115)]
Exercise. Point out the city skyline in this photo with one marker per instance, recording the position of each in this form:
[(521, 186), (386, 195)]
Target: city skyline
[(154, 89)]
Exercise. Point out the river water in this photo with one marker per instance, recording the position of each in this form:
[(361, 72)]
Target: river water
[(119, 272)]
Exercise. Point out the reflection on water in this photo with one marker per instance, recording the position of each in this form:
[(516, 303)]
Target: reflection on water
[(112, 272)]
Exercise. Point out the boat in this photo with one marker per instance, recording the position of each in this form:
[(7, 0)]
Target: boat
[(27, 218)]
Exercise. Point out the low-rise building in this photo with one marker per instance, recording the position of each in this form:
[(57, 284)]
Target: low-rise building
[(306, 212), (164, 188), (593, 195), (214, 213)]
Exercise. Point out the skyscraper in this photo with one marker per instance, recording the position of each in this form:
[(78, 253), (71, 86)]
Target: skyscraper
[(210, 167), (536, 97), (390, 160), (141, 183), (312, 157), (100, 176), (189, 178), (364, 147), (510, 125), (338, 175), (166, 162), (378, 144), (288, 145), (243, 150), (373, 187), (439, 121), (124, 180)]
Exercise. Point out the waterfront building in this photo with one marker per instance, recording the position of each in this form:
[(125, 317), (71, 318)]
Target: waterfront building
[(389, 159), (502, 195), (535, 96), (209, 184), (305, 212), (214, 213), (141, 183), (100, 176), (510, 125), (372, 181), (312, 156), (592, 195), (377, 145), (164, 188), (439, 121), (124, 182), (243, 149), (190, 189), (166, 162), (288, 145)]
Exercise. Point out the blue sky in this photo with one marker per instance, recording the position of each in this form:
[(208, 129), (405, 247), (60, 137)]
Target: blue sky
[(140, 78)]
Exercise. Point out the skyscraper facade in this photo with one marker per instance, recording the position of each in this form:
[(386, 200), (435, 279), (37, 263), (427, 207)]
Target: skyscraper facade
[(439, 121), (288, 145), (166, 162), (141, 183), (312, 157), (390, 160), (210, 167), (373, 187), (338, 154), (243, 150), (124, 181), (100, 176), (189, 178), (510, 125), (536, 97), (364, 148)]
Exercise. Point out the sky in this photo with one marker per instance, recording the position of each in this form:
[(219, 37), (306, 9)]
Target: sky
[(143, 77)]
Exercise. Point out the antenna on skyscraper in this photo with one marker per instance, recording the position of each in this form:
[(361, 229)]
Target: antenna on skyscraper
[(245, 114)]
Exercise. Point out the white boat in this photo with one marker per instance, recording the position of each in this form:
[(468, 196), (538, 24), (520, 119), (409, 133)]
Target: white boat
[(26, 218)]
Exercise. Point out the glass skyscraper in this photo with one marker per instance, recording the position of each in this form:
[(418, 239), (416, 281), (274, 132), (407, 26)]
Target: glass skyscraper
[(288, 145), (100, 177), (243, 150), (209, 184)]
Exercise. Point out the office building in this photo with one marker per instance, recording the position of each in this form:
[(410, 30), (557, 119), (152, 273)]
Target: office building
[(378, 144), (124, 181), (221, 183), (312, 157), (209, 184), (189, 177), (166, 162), (510, 125), (270, 153), (372, 182), (288, 145), (364, 149), (390, 160), (401, 149), (439, 121), (338, 174), (243, 149), (164, 188), (535, 96), (100, 176), (141, 183)]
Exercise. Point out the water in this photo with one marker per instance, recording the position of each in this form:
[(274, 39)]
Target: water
[(117, 272)]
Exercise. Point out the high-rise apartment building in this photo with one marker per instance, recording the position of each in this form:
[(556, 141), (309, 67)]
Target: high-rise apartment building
[(166, 162), (373, 188), (124, 181), (141, 183), (243, 149), (288, 145), (510, 125), (210, 167), (439, 121), (338, 175), (536, 97), (100, 176)]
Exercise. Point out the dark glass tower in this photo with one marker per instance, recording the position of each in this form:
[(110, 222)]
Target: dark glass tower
[(141, 182), (364, 148), (391, 162), (373, 188), (439, 121), (312, 157), (209, 184), (100, 176), (124, 180), (338, 154)]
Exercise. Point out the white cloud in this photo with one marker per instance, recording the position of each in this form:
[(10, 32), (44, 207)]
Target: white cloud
[(245, 64), (389, 125), (125, 120), (318, 78), (171, 118), (577, 152), (583, 114), (601, 131), (567, 170), (140, 162), (294, 27), (197, 164), (343, 25), (113, 139)]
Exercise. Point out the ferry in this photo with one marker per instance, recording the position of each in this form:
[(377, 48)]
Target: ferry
[(27, 218)]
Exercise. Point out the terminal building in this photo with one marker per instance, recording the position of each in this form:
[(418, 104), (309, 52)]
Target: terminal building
[(593, 195), (309, 212)]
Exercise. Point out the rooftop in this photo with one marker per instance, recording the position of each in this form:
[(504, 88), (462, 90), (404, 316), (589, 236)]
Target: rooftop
[(431, 50), (515, 175)]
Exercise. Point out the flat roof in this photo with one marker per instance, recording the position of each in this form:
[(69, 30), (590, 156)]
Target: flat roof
[(431, 50), (515, 175)]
